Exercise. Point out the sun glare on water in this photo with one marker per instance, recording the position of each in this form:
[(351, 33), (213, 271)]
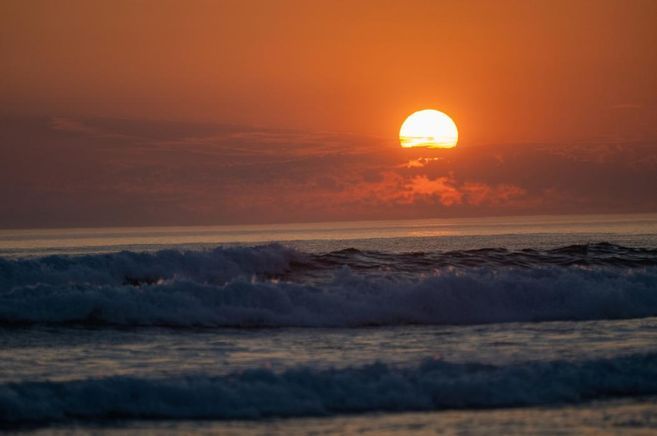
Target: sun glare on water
[(428, 128)]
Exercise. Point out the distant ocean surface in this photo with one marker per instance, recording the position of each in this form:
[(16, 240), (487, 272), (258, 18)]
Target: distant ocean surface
[(494, 326)]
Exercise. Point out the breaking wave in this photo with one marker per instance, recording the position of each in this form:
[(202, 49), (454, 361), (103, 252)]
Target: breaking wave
[(274, 286), (135, 268), (307, 391)]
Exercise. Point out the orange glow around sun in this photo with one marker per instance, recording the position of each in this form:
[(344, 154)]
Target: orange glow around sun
[(428, 128)]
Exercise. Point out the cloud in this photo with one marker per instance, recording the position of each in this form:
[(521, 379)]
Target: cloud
[(442, 188), (71, 125), (394, 190), (420, 162), (63, 171), (481, 193)]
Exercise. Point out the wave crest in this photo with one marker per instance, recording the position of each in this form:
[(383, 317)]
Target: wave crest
[(306, 391), (136, 268), (447, 296)]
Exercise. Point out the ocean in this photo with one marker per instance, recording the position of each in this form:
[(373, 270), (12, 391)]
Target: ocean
[(508, 325)]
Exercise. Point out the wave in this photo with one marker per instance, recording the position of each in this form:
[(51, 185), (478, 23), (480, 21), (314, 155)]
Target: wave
[(276, 286), (598, 254), (446, 296), (226, 263), (135, 268), (307, 391)]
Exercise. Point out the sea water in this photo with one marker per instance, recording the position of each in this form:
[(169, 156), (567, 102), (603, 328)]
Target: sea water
[(532, 324)]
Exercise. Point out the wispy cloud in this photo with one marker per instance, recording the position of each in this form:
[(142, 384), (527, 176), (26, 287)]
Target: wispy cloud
[(131, 172)]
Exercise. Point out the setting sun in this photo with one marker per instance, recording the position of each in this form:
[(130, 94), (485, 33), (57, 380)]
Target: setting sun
[(428, 128), (328, 187)]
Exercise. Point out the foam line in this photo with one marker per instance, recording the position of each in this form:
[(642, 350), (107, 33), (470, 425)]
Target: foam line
[(447, 296), (307, 391)]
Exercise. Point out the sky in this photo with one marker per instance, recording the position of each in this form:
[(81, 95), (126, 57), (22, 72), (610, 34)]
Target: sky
[(226, 112)]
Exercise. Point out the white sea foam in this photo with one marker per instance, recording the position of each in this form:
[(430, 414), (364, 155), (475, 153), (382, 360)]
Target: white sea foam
[(213, 266), (307, 391), (446, 296)]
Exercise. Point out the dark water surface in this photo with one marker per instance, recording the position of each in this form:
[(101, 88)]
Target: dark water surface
[(510, 324)]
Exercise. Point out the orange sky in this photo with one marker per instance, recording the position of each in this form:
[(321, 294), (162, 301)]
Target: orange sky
[(210, 112), (506, 71)]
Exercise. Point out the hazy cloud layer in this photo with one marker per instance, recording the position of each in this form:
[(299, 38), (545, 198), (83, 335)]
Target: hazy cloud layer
[(62, 171)]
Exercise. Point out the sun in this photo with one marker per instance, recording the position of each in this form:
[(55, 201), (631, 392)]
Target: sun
[(428, 128)]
